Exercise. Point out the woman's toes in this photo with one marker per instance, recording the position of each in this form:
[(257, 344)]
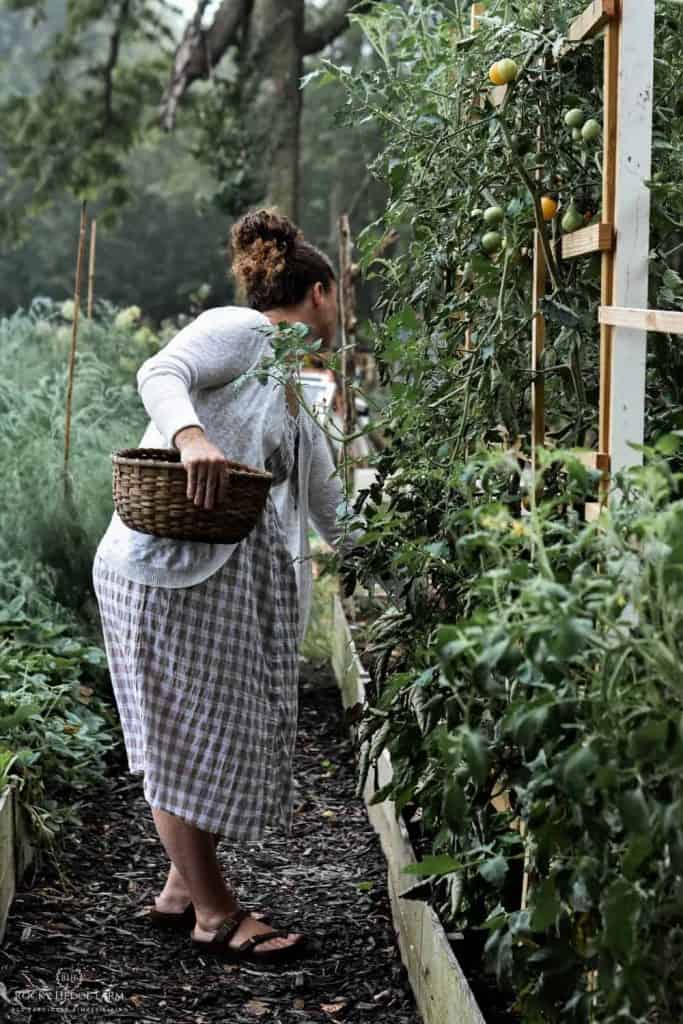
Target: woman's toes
[(285, 940)]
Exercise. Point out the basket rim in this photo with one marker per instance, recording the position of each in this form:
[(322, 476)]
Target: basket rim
[(175, 466)]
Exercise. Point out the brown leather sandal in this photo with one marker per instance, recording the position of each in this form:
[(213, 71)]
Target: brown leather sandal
[(219, 945)]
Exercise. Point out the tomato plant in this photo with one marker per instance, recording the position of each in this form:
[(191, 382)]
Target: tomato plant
[(533, 652)]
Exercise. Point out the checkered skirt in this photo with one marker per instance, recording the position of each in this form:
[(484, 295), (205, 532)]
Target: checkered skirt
[(206, 684)]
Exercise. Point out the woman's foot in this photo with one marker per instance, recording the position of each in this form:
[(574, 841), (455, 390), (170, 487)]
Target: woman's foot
[(205, 930), (173, 899)]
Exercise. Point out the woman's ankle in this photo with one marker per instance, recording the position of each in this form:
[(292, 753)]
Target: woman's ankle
[(209, 918)]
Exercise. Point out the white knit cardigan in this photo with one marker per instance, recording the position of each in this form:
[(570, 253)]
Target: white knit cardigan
[(191, 381)]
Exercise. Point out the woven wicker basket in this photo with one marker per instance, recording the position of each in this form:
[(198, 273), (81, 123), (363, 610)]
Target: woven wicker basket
[(150, 495)]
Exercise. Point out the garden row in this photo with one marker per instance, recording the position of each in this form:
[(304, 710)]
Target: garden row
[(57, 715)]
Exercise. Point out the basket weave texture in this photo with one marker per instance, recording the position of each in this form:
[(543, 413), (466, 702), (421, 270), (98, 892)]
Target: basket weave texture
[(150, 495)]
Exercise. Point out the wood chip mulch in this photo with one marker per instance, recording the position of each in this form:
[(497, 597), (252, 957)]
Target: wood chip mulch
[(80, 935)]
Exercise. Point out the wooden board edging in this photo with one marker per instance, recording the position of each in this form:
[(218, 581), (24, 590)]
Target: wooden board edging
[(7, 862), (442, 992), (17, 852)]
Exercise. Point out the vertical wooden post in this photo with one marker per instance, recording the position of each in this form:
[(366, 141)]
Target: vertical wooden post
[(91, 266), (610, 100), (348, 326), (348, 315), (74, 334), (629, 64), (537, 347), (537, 336), (475, 11)]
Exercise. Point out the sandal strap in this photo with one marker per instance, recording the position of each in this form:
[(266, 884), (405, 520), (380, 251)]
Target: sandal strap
[(227, 928), (256, 940)]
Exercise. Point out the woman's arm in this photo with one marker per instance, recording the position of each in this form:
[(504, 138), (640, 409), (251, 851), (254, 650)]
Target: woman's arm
[(325, 492), (209, 352)]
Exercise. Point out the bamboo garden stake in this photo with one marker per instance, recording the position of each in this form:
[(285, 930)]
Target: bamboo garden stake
[(74, 333), (347, 319), (91, 267)]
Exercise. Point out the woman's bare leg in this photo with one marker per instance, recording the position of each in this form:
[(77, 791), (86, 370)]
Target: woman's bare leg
[(193, 852), (175, 895)]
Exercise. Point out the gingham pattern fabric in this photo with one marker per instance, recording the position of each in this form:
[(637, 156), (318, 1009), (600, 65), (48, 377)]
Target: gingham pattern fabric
[(206, 681)]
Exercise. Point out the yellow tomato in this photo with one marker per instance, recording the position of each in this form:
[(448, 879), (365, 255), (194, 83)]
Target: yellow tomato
[(495, 75), (503, 71), (548, 207)]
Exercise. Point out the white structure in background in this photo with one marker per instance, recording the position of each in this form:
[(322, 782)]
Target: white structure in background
[(320, 392), (632, 226)]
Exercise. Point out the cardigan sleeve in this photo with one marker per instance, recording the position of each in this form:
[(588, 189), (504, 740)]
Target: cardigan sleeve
[(325, 493), (207, 353)]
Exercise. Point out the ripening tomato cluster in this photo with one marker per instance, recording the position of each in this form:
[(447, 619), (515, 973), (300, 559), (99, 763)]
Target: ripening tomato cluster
[(585, 131)]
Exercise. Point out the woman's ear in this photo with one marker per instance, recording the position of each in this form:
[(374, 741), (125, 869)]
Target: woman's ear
[(317, 293)]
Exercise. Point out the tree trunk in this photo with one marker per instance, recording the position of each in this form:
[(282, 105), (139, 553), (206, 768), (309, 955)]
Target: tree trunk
[(274, 66)]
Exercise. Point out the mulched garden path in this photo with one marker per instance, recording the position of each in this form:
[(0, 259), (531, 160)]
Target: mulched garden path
[(84, 939)]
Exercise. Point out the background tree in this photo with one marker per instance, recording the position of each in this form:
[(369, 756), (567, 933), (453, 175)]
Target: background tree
[(269, 40), (87, 126)]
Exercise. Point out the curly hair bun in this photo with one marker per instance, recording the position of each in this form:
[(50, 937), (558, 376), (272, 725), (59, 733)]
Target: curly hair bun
[(272, 262), (267, 225)]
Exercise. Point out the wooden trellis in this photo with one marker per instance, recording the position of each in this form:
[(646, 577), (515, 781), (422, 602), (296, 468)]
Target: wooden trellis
[(622, 238), (621, 235)]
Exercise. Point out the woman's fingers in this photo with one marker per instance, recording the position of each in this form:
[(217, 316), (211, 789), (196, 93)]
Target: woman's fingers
[(222, 488), (191, 478), (211, 486), (207, 479), (199, 483), (205, 475)]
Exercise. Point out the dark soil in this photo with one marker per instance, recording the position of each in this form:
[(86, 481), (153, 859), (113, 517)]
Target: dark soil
[(81, 935)]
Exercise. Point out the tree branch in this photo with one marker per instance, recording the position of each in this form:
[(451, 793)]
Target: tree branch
[(321, 35), (200, 50), (112, 60)]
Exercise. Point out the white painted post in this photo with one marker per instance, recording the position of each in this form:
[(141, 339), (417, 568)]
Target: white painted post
[(632, 223)]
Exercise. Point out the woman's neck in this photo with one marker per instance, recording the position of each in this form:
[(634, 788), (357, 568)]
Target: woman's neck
[(291, 316)]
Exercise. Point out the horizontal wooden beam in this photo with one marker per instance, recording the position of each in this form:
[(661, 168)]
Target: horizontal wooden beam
[(596, 238), (592, 20), (593, 510), (663, 321), (497, 95), (594, 460)]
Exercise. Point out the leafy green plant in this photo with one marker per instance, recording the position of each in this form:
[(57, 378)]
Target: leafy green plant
[(317, 642), (559, 683), (40, 527), (57, 721)]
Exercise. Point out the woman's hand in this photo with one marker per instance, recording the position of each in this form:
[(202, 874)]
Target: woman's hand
[(205, 464)]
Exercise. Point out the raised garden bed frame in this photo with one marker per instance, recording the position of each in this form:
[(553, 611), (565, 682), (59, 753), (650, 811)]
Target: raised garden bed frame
[(442, 992)]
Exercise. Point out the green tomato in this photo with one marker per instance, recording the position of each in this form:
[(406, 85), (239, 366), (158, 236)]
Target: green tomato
[(572, 220), (591, 131), (507, 70), (520, 144), (493, 215), (574, 118), (492, 241)]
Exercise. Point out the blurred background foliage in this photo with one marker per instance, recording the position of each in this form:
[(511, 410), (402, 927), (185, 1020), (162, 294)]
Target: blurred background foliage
[(151, 191)]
